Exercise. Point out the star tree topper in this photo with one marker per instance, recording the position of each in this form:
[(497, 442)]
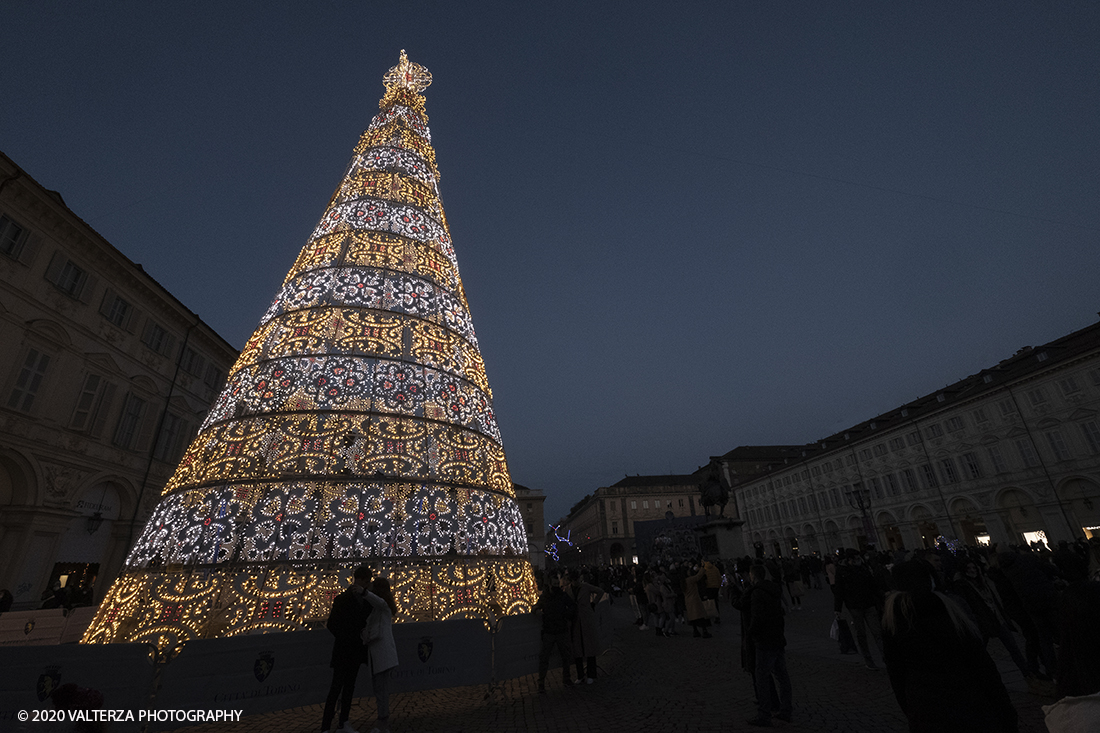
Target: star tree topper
[(407, 75)]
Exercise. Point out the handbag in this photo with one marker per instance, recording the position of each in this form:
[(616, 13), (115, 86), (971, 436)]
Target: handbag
[(847, 643), (710, 608)]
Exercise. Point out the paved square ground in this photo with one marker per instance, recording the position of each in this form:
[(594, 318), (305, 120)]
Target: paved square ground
[(648, 683)]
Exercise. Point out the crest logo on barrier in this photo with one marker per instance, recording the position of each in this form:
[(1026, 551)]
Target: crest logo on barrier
[(263, 665), (424, 648), (48, 681), (29, 627)]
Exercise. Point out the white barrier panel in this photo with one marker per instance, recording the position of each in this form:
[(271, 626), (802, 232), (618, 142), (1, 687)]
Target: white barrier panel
[(267, 672), (257, 673), (76, 623), (517, 645), (123, 673), (23, 628), (438, 654)]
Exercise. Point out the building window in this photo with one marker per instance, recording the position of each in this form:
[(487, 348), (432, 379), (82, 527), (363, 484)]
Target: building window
[(530, 527), (157, 338), (879, 450), (1069, 386), (979, 416), (897, 445), (876, 487), (129, 422), (929, 476), (681, 503), (912, 438), (835, 494), (1092, 436), (1037, 397), (116, 309), (1027, 452), (947, 468), (29, 380), (954, 424), (530, 505), (214, 377), (615, 528), (1058, 446), (908, 480), (933, 431), (997, 459), (891, 482), (645, 504), (849, 460), (815, 471), (970, 463), (633, 504), (12, 237), (1006, 407), (192, 362), (169, 445), (669, 504), (86, 402)]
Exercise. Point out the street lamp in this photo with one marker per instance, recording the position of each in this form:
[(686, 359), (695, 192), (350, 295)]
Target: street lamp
[(857, 499)]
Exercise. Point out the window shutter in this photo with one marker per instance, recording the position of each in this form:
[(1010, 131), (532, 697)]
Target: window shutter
[(103, 410), (31, 245), (133, 320), (169, 348), (145, 429), (108, 302), (86, 289), (57, 262), (147, 332)]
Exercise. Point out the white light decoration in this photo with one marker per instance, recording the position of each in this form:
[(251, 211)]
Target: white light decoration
[(356, 427)]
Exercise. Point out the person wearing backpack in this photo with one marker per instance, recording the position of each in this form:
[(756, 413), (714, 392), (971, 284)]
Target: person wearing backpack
[(558, 613)]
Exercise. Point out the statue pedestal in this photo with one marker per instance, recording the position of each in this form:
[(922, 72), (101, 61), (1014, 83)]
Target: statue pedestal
[(721, 538)]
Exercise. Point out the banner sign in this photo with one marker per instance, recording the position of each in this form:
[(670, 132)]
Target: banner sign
[(261, 673), (23, 628), (256, 673), (121, 673)]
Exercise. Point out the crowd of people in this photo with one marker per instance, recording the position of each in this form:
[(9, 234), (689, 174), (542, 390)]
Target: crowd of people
[(930, 615)]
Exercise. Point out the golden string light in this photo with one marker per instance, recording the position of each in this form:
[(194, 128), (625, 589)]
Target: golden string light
[(356, 427)]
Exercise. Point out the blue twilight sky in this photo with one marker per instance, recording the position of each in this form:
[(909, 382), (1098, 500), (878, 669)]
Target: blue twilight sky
[(682, 227)]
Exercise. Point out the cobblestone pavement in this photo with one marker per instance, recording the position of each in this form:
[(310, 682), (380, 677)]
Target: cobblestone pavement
[(648, 683)]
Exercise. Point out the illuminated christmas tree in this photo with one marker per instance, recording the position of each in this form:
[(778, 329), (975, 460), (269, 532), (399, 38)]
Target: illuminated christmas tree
[(357, 426)]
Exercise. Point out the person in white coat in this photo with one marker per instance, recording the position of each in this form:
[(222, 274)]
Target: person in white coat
[(381, 649)]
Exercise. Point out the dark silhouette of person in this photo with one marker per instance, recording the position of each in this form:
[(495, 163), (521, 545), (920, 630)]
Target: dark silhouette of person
[(346, 621)]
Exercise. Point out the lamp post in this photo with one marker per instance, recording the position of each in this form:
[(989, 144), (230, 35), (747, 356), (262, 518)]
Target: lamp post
[(857, 500)]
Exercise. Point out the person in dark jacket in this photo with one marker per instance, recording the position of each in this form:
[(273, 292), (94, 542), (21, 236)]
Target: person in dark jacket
[(558, 612), (941, 675), (766, 627), (857, 589), (346, 621), (986, 610)]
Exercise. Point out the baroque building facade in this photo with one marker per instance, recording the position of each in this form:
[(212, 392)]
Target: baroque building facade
[(1008, 455), (105, 378), (601, 525), (531, 503)]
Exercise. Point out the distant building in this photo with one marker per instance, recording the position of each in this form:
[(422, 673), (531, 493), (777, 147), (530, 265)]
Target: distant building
[(602, 523), (530, 502), (104, 379), (1008, 455)]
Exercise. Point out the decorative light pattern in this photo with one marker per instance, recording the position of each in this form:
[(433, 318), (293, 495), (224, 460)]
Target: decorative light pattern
[(356, 426), (552, 548)]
